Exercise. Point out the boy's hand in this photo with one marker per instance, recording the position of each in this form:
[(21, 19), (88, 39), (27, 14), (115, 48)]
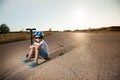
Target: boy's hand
[(32, 46)]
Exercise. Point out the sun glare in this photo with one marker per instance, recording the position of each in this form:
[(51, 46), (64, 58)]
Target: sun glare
[(79, 14), (80, 19)]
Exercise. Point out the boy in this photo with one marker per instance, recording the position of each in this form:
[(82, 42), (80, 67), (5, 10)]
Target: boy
[(39, 48)]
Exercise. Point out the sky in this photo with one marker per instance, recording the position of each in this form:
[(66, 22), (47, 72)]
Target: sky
[(59, 14)]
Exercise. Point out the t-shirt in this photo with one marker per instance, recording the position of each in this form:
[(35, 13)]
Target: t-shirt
[(44, 45)]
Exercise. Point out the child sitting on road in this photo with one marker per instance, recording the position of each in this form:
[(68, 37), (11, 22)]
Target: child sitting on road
[(39, 48)]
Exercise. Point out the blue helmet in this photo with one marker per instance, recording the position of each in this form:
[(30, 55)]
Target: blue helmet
[(38, 34)]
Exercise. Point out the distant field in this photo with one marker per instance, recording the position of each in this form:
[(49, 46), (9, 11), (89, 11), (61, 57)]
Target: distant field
[(16, 36)]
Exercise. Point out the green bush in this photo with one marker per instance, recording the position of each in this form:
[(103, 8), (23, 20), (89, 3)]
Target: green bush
[(4, 29)]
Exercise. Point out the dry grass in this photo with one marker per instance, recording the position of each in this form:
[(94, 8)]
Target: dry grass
[(11, 37), (17, 36)]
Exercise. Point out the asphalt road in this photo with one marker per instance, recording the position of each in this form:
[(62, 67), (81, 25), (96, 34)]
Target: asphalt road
[(74, 56)]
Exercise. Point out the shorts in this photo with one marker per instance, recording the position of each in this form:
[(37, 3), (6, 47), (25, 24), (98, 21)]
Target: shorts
[(42, 54)]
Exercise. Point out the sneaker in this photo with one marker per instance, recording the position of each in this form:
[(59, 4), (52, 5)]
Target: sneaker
[(33, 64), (25, 60)]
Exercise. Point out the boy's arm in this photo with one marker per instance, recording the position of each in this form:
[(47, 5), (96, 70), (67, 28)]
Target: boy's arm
[(38, 46)]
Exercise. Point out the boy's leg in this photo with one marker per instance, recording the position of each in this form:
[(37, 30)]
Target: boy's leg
[(29, 56), (30, 53), (35, 62), (37, 50)]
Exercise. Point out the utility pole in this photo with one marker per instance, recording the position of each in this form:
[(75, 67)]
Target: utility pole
[(31, 30)]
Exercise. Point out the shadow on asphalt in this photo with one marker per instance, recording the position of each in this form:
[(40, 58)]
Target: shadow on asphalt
[(58, 52)]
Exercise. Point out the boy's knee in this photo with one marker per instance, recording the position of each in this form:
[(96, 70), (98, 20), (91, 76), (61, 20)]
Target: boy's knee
[(37, 48), (32, 49)]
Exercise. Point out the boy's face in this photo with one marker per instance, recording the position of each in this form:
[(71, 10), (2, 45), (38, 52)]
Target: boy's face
[(38, 39)]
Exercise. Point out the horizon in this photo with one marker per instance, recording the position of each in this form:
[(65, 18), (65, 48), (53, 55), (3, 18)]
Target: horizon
[(117, 28), (59, 15)]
